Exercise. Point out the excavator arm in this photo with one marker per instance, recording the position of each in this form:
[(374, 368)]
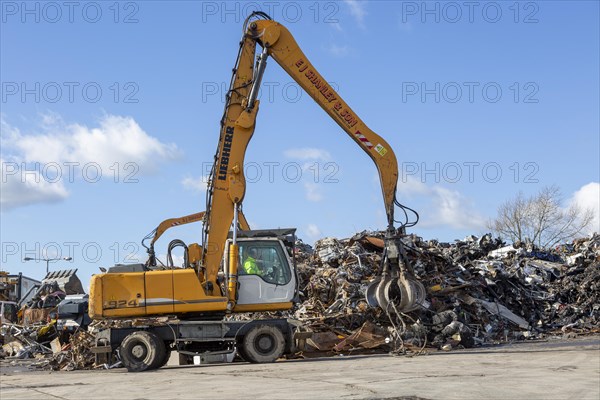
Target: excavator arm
[(227, 185), (395, 286), (194, 249)]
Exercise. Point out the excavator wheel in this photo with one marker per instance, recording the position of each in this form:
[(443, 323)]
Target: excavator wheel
[(165, 359), (142, 351), (262, 344), (242, 353)]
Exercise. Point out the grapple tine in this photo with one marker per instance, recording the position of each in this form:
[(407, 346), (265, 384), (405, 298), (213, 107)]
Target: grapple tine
[(371, 292)]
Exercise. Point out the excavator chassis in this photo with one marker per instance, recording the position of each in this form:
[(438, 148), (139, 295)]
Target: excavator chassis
[(198, 342)]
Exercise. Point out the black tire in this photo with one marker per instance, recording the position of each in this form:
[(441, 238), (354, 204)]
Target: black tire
[(241, 353), (165, 360), (142, 351), (263, 344)]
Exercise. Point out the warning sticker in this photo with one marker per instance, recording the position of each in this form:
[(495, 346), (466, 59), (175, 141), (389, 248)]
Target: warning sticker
[(380, 149)]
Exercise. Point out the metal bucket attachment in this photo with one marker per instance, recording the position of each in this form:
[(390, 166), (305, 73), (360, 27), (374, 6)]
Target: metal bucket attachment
[(66, 280)]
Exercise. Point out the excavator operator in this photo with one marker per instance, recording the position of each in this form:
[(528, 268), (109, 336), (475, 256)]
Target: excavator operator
[(251, 263)]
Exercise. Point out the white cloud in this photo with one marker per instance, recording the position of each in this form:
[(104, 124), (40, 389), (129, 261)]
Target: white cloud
[(115, 139), (71, 148), (8, 133), (177, 259), (410, 186), (453, 209), (338, 51), (588, 197), (51, 119), (307, 153), (199, 184), (358, 11), (440, 206), (313, 231), (313, 192), (22, 189), (337, 26)]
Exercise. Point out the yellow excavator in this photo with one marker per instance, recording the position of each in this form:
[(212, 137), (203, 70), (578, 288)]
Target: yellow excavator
[(214, 280)]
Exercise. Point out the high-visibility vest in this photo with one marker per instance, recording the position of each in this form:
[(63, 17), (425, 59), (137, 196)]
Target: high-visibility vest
[(250, 266)]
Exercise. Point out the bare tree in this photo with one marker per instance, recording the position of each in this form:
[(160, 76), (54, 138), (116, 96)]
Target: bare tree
[(541, 219)]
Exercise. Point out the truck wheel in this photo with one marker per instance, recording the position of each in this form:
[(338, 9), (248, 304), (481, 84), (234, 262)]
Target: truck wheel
[(263, 344), (141, 351)]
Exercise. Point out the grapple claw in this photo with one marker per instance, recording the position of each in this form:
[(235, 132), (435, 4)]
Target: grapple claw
[(406, 294)]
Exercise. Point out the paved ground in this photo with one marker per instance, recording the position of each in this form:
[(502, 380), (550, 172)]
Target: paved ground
[(541, 370)]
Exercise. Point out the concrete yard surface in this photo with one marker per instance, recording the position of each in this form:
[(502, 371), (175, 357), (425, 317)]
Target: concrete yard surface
[(556, 369)]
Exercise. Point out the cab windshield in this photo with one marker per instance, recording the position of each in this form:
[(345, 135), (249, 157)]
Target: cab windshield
[(264, 259)]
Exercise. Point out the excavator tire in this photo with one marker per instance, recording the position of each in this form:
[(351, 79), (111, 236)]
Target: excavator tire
[(242, 353), (262, 344), (142, 351), (165, 359)]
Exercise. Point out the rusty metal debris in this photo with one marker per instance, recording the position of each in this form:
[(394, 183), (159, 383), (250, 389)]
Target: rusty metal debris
[(55, 350), (480, 291)]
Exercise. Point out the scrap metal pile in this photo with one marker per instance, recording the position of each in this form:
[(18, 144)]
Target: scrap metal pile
[(51, 327), (479, 291), (50, 348), (56, 350)]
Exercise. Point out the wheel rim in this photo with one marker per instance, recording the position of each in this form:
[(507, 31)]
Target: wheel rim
[(139, 351), (264, 344)]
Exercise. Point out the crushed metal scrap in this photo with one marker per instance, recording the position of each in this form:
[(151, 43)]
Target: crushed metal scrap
[(55, 351), (480, 292)]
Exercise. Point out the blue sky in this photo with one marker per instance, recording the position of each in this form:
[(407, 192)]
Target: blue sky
[(478, 103)]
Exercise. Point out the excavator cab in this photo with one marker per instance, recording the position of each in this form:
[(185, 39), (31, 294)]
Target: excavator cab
[(267, 278)]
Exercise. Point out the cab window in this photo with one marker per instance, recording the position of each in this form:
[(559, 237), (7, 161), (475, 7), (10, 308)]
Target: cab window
[(265, 259)]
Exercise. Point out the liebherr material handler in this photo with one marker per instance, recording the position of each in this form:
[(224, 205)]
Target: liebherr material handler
[(211, 283)]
